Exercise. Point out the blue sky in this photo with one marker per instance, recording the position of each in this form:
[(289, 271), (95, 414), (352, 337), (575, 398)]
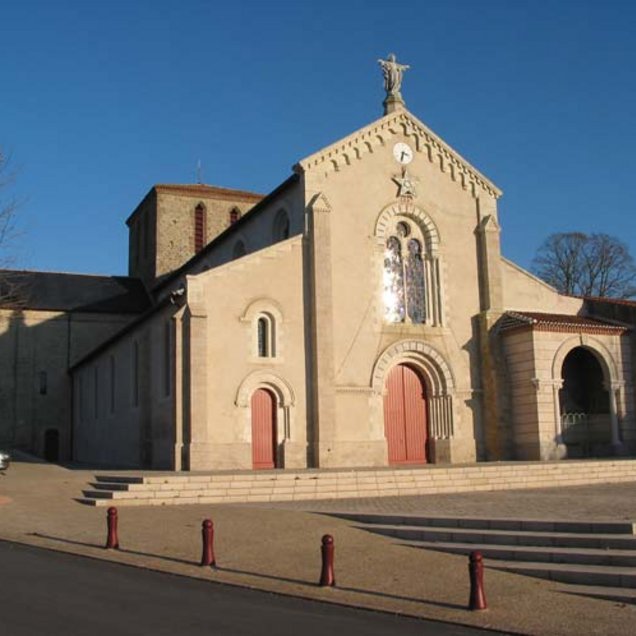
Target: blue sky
[(100, 100)]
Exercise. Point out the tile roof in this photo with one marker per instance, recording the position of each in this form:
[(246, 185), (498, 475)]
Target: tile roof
[(556, 322), (204, 189)]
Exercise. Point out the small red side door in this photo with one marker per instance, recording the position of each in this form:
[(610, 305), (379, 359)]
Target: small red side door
[(263, 429)]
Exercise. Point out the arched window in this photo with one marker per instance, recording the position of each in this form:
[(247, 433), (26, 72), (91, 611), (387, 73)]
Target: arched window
[(404, 287), (199, 227), (235, 215), (265, 336), (281, 226), (239, 250)]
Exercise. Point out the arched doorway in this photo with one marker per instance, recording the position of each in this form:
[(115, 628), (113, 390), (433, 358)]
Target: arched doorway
[(405, 424), (264, 433), (585, 407), (51, 445)]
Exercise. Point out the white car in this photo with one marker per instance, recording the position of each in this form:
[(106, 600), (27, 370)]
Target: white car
[(5, 460)]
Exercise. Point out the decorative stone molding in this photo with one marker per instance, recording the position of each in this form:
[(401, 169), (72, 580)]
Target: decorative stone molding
[(265, 380), (407, 209), (440, 384), (366, 140), (260, 305), (429, 235), (353, 389), (319, 203), (602, 353), (438, 375)]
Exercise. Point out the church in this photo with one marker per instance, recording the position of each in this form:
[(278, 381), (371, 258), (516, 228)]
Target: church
[(360, 314)]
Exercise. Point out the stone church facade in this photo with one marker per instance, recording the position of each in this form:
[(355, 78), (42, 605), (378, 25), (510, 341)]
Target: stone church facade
[(361, 314)]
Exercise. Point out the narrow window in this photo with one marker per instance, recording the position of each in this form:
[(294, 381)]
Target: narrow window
[(96, 390), (263, 344), (239, 250), (235, 215), (199, 227), (265, 331), (80, 396), (43, 383), (112, 384), (146, 233), (393, 281), (281, 226), (135, 374), (166, 360), (415, 283), (137, 241)]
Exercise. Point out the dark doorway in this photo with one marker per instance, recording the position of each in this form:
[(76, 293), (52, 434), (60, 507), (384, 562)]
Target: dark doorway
[(52, 445), (584, 402)]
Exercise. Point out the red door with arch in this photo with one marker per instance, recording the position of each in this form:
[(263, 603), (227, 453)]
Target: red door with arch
[(405, 423), (263, 429)]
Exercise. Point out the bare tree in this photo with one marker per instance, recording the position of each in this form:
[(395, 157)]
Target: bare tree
[(586, 265), (12, 285)]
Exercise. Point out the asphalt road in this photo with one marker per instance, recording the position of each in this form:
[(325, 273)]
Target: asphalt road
[(51, 593)]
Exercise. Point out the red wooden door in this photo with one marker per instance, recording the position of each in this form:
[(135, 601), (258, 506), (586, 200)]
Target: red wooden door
[(263, 429), (405, 417)]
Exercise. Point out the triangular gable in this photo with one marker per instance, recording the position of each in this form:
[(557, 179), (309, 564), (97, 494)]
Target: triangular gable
[(366, 140)]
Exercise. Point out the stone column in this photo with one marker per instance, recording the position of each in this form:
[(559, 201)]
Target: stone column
[(490, 296), (195, 379), (614, 392), (320, 314)]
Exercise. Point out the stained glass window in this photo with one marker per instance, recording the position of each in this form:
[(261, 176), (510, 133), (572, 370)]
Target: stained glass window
[(393, 281), (415, 283), (404, 286)]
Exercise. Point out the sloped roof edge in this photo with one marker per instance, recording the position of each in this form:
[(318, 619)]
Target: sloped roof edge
[(410, 125)]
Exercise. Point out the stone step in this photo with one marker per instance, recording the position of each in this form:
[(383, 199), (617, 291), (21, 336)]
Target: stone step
[(494, 523), (581, 556), (596, 575), (616, 594), (285, 485), (507, 537), (119, 479)]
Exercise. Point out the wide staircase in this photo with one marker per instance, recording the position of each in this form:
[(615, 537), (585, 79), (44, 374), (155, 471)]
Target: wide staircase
[(153, 489), (598, 556)]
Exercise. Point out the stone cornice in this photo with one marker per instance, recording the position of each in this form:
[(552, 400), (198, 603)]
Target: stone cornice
[(365, 141)]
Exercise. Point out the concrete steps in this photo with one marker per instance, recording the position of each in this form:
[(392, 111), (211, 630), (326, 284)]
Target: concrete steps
[(289, 485), (594, 553)]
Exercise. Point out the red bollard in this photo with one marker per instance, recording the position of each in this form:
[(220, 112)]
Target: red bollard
[(327, 577), (112, 542), (476, 569), (207, 532)]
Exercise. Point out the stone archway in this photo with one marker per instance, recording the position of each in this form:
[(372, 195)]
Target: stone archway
[(587, 394), (438, 384), (584, 406), (258, 390)]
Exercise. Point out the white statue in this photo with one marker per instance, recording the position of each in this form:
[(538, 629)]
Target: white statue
[(392, 75)]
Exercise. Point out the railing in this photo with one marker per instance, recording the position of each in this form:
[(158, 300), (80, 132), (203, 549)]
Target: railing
[(586, 431)]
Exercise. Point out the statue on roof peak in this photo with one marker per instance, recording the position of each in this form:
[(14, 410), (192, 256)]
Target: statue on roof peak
[(393, 72)]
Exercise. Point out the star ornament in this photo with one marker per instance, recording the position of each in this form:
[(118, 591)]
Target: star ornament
[(406, 184)]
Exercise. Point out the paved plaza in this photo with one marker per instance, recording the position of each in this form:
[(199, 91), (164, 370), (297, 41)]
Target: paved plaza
[(276, 548)]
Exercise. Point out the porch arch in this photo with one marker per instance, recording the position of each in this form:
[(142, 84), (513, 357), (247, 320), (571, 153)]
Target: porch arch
[(596, 348), (566, 424)]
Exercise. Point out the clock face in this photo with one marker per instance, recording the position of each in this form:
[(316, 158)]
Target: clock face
[(402, 153)]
